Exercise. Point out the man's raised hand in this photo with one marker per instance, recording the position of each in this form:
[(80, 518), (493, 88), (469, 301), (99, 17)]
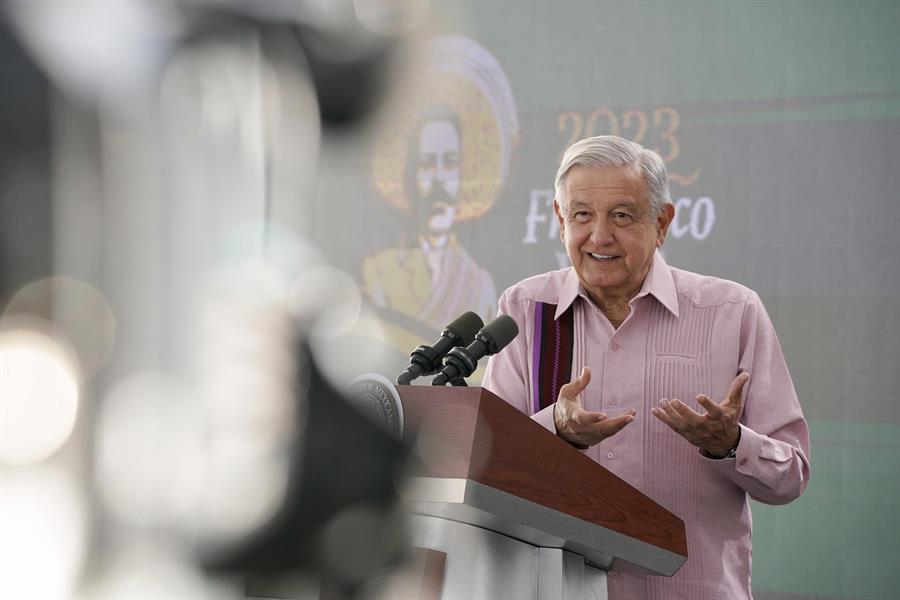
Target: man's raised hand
[(579, 427), (715, 432)]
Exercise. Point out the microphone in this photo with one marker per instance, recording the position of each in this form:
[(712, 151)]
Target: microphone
[(461, 362), (427, 360)]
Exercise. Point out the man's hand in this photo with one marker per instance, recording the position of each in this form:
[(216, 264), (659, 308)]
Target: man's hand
[(578, 426), (715, 432)]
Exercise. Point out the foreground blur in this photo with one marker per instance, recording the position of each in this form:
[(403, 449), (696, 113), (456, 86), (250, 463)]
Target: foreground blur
[(159, 381)]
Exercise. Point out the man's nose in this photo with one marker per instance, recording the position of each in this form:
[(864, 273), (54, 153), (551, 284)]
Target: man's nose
[(601, 232)]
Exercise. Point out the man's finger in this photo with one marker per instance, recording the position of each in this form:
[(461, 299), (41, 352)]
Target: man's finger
[(676, 419), (662, 416), (737, 387), (713, 410), (688, 414), (584, 417), (614, 425), (577, 385)]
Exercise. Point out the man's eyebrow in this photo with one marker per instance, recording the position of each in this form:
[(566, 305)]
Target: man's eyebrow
[(625, 204), (621, 204)]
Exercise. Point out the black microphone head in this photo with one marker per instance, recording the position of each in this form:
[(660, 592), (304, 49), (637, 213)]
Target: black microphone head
[(499, 333), (465, 327), (428, 359)]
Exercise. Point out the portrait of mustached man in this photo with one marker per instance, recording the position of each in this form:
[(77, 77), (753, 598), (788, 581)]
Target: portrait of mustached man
[(441, 167)]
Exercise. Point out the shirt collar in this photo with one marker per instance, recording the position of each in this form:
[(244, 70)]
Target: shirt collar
[(570, 288), (659, 283)]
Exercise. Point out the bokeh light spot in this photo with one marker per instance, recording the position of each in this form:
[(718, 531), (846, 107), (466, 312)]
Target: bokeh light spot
[(38, 396)]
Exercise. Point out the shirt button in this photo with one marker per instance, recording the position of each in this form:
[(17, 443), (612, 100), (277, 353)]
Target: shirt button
[(615, 346), (743, 461), (610, 455), (612, 401)]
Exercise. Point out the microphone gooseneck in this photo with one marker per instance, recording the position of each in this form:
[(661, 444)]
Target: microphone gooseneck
[(427, 360), (462, 361)]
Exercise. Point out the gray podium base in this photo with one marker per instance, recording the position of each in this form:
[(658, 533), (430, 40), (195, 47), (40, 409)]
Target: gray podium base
[(480, 565), (485, 565)]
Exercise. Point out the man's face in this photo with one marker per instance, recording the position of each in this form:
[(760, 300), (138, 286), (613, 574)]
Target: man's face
[(609, 231), (437, 175)]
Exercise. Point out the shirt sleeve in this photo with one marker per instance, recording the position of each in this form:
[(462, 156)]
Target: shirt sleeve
[(771, 463), (507, 373)]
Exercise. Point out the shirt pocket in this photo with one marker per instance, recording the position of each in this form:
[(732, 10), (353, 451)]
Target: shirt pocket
[(684, 337)]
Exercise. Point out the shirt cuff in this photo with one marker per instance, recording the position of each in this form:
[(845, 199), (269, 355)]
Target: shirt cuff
[(744, 461), (545, 419)]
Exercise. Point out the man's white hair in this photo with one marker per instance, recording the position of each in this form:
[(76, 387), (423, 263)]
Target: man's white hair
[(604, 151)]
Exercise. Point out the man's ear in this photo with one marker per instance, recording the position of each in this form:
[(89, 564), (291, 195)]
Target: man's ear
[(560, 219), (663, 220)]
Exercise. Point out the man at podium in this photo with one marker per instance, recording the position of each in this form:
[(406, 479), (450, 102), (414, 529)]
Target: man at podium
[(673, 381)]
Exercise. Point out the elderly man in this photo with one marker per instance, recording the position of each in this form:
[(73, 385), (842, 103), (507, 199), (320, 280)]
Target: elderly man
[(705, 411)]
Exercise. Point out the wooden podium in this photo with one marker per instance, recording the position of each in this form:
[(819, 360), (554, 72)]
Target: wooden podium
[(518, 512)]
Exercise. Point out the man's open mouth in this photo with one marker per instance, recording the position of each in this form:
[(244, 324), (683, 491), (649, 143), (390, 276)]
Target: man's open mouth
[(601, 256)]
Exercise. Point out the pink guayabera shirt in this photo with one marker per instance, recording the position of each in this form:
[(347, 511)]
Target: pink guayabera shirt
[(687, 334)]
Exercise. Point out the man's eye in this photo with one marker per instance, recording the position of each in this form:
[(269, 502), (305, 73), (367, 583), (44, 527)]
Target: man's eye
[(621, 217), (582, 215), (426, 162)]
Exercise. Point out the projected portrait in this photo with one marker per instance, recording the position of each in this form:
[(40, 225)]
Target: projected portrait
[(442, 164)]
